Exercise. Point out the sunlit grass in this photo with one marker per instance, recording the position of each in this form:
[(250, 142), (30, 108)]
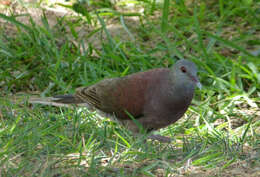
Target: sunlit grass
[(221, 127)]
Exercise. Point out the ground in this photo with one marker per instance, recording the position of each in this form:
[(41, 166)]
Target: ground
[(237, 109)]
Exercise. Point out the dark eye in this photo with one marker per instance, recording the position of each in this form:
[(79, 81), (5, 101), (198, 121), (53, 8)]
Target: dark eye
[(183, 69)]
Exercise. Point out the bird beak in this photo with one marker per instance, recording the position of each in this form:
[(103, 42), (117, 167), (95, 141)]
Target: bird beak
[(196, 80), (198, 84)]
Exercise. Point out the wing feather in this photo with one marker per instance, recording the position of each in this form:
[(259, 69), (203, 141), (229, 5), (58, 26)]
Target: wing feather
[(89, 95)]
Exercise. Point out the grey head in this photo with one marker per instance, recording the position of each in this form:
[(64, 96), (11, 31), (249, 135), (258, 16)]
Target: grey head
[(185, 74)]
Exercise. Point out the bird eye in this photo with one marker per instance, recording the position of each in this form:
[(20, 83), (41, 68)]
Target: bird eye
[(183, 69)]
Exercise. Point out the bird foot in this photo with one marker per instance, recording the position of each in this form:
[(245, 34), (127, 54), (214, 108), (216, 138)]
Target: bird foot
[(160, 138)]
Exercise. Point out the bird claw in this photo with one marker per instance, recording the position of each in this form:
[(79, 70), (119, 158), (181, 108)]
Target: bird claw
[(160, 138)]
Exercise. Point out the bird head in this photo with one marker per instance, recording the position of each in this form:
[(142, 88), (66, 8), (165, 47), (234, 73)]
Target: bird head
[(185, 72)]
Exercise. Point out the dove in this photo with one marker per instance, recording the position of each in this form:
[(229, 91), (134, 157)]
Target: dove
[(151, 99)]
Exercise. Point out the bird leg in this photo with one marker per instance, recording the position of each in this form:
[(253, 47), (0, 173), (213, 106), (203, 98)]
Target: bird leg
[(146, 126)]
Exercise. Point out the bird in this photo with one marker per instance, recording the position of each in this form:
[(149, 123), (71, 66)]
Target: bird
[(148, 100)]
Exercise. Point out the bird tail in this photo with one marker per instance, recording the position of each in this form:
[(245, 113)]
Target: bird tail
[(60, 101), (67, 99)]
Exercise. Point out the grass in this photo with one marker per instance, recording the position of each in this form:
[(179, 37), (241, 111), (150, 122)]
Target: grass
[(218, 134)]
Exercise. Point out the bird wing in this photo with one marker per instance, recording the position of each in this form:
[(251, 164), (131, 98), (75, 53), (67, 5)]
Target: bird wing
[(89, 95), (122, 96)]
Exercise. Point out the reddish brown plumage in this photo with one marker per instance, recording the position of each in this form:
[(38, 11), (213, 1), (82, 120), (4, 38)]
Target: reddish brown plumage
[(129, 93), (156, 98)]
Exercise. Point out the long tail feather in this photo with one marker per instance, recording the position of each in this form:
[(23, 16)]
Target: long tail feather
[(67, 99), (61, 101), (47, 101)]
